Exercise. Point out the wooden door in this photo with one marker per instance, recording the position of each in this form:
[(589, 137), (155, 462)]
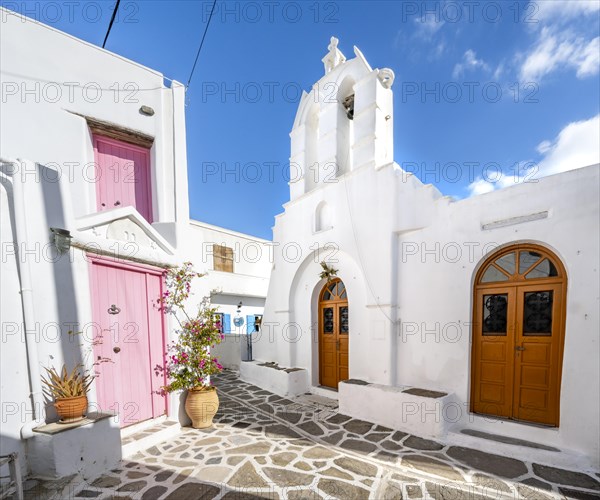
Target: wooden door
[(537, 353), (493, 351), (518, 335), (122, 176), (129, 341), (334, 333)]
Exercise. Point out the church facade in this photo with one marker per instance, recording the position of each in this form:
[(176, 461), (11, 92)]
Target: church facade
[(438, 317)]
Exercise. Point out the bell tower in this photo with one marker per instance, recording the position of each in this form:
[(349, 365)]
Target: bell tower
[(344, 123)]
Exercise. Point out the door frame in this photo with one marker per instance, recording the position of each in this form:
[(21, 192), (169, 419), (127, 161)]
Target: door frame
[(336, 304), (512, 285), (97, 259)]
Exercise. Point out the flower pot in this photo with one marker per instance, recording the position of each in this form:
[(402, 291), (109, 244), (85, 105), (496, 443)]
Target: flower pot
[(201, 405), (71, 409)]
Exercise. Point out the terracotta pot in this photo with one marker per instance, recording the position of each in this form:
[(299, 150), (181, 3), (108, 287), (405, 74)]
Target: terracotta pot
[(71, 409), (201, 405)]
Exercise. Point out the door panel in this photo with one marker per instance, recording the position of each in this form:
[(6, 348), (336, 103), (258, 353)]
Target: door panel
[(536, 361), (132, 339), (343, 331), (328, 346), (493, 336), (122, 176)]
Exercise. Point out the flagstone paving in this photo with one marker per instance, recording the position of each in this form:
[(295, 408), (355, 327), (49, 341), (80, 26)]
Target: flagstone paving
[(266, 446)]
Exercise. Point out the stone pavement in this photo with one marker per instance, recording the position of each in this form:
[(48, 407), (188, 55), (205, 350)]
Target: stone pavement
[(265, 446)]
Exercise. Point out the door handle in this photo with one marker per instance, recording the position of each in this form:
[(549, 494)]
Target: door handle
[(117, 203), (519, 348), (113, 309), (116, 350)]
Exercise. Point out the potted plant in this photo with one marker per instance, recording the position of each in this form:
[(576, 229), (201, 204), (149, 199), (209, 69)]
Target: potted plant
[(189, 362), (69, 391)]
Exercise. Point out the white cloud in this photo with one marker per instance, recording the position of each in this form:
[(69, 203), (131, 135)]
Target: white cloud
[(556, 49), (480, 186), (469, 62), (589, 59), (426, 28), (562, 10), (577, 145)]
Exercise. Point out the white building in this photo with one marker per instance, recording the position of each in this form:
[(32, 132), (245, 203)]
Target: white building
[(94, 144), (491, 301)]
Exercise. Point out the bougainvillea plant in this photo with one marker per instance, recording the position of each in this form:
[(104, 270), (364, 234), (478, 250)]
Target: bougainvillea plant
[(188, 362)]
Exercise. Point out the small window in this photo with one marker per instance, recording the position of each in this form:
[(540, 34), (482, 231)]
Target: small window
[(507, 262), (494, 314), (537, 313), (220, 319), (493, 274), (544, 269), (222, 258)]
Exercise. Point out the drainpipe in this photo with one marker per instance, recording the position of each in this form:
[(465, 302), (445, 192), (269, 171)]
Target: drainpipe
[(35, 381)]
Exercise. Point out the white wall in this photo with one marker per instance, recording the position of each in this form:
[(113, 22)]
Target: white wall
[(436, 289), (43, 99)]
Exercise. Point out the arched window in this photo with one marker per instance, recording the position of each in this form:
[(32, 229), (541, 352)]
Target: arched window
[(521, 263), (323, 217), (518, 334)]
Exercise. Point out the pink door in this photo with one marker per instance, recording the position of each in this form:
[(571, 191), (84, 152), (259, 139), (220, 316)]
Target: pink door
[(122, 176), (128, 340)]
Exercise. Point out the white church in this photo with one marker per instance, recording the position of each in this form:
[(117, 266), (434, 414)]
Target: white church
[(444, 318)]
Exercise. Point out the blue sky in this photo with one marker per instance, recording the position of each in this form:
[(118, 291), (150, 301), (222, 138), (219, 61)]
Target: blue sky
[(479, 89)]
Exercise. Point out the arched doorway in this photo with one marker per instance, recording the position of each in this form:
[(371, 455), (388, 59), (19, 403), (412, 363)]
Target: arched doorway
[(518, 335), (333, 334)]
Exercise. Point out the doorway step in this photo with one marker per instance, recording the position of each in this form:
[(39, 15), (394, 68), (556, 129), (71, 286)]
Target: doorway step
[(541, 451), (147, 434), (325, 392)]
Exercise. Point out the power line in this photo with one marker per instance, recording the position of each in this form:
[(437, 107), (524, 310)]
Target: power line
[(201, 43), (112, 20)]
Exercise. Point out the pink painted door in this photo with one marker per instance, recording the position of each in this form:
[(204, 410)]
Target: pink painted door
[(122, 176), (128, 341)]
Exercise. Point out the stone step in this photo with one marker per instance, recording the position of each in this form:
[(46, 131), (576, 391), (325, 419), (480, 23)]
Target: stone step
[(326, 393), (141, 426), (142, 438), (527, 451)]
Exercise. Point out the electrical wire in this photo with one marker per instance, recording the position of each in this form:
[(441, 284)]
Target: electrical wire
[(112, 20), (201, 43)]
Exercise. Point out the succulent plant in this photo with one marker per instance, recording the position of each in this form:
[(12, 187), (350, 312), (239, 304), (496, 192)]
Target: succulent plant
[(67, 385)]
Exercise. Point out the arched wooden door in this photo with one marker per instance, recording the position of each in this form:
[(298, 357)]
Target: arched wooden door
[(518, 335), (333, 334)]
